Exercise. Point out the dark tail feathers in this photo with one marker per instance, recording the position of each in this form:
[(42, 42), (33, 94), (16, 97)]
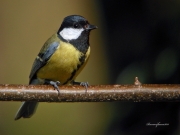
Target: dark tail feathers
[(26, 110)]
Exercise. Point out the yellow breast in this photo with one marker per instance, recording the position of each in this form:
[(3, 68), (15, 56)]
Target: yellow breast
[(63, 64)]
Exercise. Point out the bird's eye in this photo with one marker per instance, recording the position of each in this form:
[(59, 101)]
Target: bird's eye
[(76, 25)]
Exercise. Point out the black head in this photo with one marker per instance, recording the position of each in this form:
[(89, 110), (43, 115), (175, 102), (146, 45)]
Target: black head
[(73, 26)]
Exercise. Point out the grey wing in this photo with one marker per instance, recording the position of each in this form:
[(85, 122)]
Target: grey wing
[(42, 59)]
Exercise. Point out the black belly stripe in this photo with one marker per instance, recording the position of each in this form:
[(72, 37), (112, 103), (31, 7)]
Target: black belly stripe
[(82, 60), (82, 45)]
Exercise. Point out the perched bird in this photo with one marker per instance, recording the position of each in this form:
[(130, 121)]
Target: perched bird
[(61, 58)]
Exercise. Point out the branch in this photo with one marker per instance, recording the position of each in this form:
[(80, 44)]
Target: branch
[(96, 93)]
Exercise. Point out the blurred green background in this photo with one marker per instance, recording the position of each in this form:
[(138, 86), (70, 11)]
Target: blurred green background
[(134, 38), (24, 27)]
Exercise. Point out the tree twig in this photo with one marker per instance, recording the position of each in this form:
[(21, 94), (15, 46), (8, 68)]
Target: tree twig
[(96, 93)]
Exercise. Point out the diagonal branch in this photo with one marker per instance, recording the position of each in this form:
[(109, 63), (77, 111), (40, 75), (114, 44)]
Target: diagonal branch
[(96, 93)]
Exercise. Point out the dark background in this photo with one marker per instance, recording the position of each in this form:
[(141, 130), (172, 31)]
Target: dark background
[(144, 40), (144, 33)]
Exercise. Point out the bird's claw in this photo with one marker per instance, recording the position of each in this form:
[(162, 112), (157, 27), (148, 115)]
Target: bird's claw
[(55, 85), (85, 84)]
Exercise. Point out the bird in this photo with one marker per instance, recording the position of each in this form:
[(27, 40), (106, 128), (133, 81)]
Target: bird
[(61, 59)]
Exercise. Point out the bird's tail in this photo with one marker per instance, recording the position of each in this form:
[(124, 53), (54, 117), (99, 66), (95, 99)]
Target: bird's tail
[(26, 110)]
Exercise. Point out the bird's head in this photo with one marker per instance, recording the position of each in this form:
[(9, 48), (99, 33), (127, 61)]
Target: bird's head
[(74, 26)]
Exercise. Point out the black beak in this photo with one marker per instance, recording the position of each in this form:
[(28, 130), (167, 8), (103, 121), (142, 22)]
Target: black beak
[(91, 27)]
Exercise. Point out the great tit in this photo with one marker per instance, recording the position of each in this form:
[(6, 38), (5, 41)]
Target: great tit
[(61, 58)]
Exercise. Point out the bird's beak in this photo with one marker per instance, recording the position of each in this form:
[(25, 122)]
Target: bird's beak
[(91, 27)]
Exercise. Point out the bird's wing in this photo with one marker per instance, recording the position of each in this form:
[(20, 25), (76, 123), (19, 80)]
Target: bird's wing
[(42, 58)]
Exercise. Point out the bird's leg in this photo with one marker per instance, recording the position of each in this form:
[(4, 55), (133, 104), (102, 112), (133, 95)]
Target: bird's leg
[(85, 84), (54, 84)]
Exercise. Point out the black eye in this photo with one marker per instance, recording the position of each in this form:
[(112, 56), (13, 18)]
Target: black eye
[(76, 25)]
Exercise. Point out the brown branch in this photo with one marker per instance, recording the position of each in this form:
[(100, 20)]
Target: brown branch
[(96, 93)]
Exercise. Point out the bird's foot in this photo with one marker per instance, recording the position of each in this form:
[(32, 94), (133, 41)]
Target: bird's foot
[(54, 84), (85, 84)]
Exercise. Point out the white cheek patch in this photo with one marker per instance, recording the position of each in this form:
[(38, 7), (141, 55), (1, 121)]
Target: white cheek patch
[(71, 33)]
